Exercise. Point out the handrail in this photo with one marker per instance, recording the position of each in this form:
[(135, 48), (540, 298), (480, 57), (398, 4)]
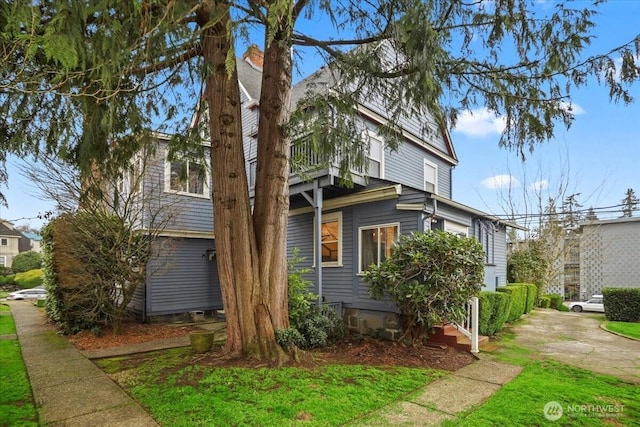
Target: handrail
[(469, 326)]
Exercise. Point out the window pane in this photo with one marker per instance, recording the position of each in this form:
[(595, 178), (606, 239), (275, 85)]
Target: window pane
[(178, 172), (369, 248), (196, 178), (330, 236), (388, 238)]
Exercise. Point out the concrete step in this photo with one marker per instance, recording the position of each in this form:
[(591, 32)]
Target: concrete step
[(452, 337)]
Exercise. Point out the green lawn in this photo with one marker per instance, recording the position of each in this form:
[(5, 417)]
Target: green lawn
[(630, 329), (587, 399), (4, 307), (179, 393), (6, 325), (16, 402)]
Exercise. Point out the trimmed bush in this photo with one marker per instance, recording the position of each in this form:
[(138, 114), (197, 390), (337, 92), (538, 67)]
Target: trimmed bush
[(563, 307), (532, 293), (494, 310), (556, 301), (518, 300), (28, 279), (622, 304), (544, 302)]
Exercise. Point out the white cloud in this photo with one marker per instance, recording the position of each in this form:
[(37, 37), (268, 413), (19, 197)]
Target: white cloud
[(479, 123), (573, 108), (497, 182), (543, 184)]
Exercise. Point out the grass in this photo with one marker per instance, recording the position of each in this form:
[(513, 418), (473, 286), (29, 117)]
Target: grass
[(587, 399), (16, 401), (179, 393), (630, 329), (7, 326), (4, 307)]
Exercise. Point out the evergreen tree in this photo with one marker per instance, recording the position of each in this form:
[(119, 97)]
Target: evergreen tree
[(77, 76), (629, 203)]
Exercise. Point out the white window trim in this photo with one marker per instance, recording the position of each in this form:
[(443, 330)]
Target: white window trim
[(368, 135), (330, 217), (429, 163), (3, 260), (167, 179), (4, 241), (456, 228), (369, 227)]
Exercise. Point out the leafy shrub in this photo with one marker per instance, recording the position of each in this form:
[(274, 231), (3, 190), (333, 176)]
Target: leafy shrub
[(309, 327), (430, 277), (5, 271), (544, 302), (563, 307), (518, 300), (556, 301), (28, 279), (7, 280), (494, 310), (26, 261), (622, 304)]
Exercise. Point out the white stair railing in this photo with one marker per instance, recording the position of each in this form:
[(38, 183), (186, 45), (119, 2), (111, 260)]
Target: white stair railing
[(469, 326)]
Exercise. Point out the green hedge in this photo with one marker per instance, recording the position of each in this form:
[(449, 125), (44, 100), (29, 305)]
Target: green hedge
[(544, 302), (518, 300), (622, 304), (532, 293), (494, 310), (556, 301)]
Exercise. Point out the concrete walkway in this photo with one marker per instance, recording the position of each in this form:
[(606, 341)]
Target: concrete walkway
[(577, 339), (70, 390)]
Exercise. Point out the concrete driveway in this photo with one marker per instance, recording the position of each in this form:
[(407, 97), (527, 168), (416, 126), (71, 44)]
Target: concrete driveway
[(576, 339)]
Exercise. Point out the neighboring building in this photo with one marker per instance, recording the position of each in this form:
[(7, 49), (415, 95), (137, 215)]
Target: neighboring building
[(30, 242), (401, 191), (609, 255), (9, 243)]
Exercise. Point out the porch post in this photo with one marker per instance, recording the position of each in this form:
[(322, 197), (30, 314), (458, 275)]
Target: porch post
[(317, 204)]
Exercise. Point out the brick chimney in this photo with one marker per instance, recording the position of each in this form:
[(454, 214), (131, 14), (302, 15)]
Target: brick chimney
[(254, 55)]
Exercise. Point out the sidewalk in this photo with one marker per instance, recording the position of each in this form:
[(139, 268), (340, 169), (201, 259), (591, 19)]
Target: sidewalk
[(69, 390)]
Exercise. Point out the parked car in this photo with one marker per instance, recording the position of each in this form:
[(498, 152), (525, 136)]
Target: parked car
[(35, 293), (592, 304)]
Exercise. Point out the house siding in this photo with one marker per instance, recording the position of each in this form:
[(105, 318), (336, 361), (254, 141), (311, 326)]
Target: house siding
[(406, 166), (175, 211), (180, 280)]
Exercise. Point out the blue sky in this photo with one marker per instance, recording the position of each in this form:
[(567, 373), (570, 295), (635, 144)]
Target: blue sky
[(598, 157)]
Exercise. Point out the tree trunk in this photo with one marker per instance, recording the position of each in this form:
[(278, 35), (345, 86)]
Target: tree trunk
[(246, 297), (271, 207)]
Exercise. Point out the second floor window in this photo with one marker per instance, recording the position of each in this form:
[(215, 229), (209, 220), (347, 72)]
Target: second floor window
[(4, 242), (430, 177), (187, 177)]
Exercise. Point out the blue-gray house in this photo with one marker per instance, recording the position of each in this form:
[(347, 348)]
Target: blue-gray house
[(338, 230)]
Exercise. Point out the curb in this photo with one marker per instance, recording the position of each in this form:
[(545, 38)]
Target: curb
[(604, 328)]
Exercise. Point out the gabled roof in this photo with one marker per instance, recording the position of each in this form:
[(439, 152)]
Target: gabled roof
[(7, 230), (321, 81), (250, 78)]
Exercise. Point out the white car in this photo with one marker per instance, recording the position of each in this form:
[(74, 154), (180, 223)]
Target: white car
[(35, 293), (592, 304)]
